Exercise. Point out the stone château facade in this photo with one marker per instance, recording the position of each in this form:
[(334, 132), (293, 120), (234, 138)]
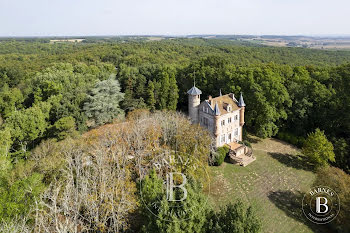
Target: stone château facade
[(223, 116)]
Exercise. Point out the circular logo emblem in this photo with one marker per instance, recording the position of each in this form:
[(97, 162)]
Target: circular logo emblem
[(176, 174), (321, 205)]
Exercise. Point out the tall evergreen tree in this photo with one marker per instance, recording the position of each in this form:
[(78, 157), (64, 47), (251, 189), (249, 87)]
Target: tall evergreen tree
[(151, 101), (235, 218), (168, 218), (164, 94), (173, 93), (157, 93), (140, 86), (102, 103)]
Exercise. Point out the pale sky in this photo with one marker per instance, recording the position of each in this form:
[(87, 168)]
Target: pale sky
[(176, 17)]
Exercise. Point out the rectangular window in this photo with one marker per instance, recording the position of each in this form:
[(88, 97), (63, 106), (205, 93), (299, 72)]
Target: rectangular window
[(207, 110), (206, 122), (236, 132), (229, 137), (223, 138), (236, 117), (229, 120), (222, 122)]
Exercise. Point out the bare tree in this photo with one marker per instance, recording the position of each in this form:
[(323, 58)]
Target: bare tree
[(95, 189)]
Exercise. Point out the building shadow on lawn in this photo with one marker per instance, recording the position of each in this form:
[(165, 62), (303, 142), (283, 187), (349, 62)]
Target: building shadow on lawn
[(291, 203), (295, 161)]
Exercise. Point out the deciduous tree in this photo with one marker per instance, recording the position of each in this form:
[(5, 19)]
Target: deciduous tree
[(318, 149)]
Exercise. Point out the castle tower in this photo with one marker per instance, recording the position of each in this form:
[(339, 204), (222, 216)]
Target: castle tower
[(194, 101), (241, 104)]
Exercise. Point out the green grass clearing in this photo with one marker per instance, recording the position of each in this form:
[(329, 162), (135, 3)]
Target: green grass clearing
[(274, 184)]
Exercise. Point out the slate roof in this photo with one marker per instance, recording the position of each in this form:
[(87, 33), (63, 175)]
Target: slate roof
[(194, 91), (216, 109), (241, 101), (222, 102)]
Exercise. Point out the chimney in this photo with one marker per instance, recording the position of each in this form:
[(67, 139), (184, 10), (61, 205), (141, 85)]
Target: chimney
[(210, 99)]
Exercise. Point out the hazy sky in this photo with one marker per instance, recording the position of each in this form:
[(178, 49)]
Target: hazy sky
[(176, 17)]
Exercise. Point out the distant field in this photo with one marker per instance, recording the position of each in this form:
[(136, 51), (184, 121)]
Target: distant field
[(345, 46), (307, 42), (273, 183), (67, 40)]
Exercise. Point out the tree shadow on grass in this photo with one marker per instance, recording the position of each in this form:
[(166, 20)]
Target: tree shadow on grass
[(252, 139), (295, 161), (291, 203)]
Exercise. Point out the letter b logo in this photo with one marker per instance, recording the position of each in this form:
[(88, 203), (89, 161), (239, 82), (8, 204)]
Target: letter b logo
[(319, 204), (170, 186)]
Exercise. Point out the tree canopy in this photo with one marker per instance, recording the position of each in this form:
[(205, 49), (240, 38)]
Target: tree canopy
[(102, 102), (318, 149), (51, 94)]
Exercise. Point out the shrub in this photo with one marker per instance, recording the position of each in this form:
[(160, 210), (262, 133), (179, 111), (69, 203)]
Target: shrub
[(247, 143), (220, 155), (291, 138), (237, 217)]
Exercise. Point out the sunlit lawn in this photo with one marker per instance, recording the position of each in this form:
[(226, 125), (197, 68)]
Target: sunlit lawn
[(274, 184)]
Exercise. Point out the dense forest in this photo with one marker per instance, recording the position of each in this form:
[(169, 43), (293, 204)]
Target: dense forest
[(51, 94)]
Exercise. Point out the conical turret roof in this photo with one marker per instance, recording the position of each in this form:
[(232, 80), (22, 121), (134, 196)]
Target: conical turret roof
[(241, 101), (194, 91), (216, 109)]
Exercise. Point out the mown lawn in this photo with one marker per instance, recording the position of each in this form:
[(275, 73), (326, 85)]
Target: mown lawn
[(275, 184)]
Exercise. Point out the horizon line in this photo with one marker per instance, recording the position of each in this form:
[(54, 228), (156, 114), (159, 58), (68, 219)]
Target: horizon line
[(182, 35)]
